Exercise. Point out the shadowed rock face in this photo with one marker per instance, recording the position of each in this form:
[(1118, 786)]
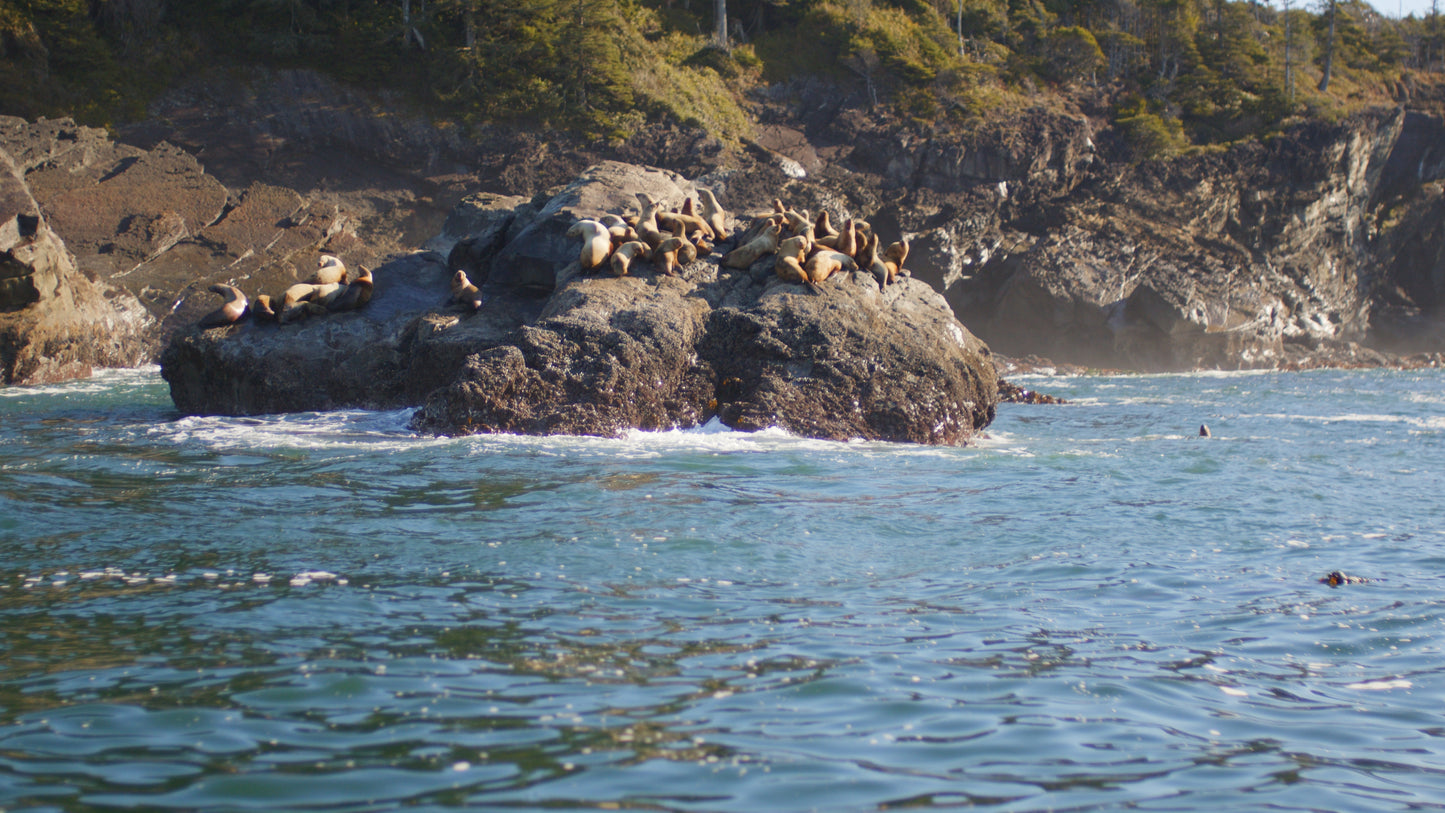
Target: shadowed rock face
[(155, 224), (599, 355), (1252, 256), (56, 323)]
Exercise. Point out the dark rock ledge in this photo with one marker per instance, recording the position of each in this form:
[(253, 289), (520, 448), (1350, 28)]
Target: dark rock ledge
[(598, 354)]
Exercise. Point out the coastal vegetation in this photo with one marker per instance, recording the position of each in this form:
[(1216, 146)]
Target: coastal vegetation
[(1171, 74)]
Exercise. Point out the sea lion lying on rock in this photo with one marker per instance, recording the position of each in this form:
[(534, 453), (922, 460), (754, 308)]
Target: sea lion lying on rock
[(229, 313), (355, 294), (329, 269)]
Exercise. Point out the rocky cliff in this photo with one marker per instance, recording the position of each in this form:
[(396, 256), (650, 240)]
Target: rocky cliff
[(1321, 245), (152, 222), (1048, 240), (56, 321)]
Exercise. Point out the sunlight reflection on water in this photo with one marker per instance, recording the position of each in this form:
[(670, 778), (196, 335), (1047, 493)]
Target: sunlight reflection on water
[(1091, 608)]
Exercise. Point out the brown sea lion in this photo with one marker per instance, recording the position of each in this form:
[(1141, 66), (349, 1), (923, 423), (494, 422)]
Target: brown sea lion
[(618, 230), (823, 227), (764, 244), (300, 292), (356, 293), (327, 293), (329, 269), (789, 265), (465, 293), (758, 226), (713, 213), (871, 263), (648, 230), (667, 255), (796, 221), (596, 243), (624, 255), (229, 313), (893, 257), (704, 247), (682, 224), (298, 310), (261, 310), (848, 238), (825, 264)]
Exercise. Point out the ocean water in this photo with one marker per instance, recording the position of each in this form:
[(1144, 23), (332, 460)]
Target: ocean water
[(1090, 609)]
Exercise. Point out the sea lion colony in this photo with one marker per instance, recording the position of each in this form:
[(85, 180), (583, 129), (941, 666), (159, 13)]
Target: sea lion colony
[(808, 250), (327, 290)]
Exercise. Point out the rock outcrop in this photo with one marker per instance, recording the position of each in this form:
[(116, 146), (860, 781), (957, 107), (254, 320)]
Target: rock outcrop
[(56, 322), (153, 223), (1262, 254), (556, 351)]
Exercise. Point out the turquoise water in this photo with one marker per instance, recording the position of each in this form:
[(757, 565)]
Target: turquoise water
[(1091, 609)]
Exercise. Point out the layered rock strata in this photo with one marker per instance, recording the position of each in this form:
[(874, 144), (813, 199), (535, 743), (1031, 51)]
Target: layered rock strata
[(56, 322)]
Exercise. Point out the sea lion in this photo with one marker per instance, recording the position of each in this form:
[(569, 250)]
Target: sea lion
[(327, 293), (713, 213), (624, 255), (329, 269), (871, 263), (789, 269), (848, 238), (299, 310), (668, 255), (300, 292), (1204, 430), (796, 221), (618, 230), (355, 294), (893, 257), (687, 252), (229, 313), (261, 310), (865, 229), (1335, 578), (745, 255), (647, 226), (680, 224), (823, 227), (757, 226), (465, 293), (596, 242), (825, 264), (789, 265)]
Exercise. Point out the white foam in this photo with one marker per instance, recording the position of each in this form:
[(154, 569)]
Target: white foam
[(1432, 422), (1380, 685), (378, 431), (100, 381)]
